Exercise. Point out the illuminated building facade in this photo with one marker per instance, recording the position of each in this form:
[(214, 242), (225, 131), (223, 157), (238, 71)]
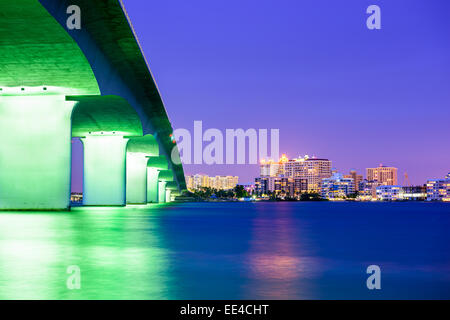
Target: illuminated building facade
[(357, 178), (414, 193), (439, 189), (198, 181), (269, 168), (287, 186), (384, 175), (337, 187), (368, 190), (389, 193), (313, 170)]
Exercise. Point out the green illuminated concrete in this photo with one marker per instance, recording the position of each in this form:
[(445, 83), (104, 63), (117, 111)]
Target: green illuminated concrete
[(136, 178), (164, 177), (158, 162), (37, 51), (171, 190), (145, 145), (168, 196), (110, 115), (102, 122), (35, 152), (138, 151), (104, 170), (120, 67), (172, 185), (154, 165), (162, 191), (152, 185)]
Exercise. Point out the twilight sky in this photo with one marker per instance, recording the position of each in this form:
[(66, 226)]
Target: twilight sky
[(312, 69)]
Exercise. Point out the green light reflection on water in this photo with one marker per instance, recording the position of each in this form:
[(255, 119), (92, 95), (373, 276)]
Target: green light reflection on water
[(119, 251)]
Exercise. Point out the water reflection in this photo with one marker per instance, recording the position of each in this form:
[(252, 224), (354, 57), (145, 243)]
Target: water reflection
[(227, 251), (279, 263), (118, 251)]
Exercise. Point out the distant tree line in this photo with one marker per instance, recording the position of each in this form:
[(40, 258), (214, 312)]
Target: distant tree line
[(206, 193)]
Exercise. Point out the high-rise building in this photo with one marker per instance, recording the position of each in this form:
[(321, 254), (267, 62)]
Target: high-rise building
[(269, 168), (304, 174), (337, 186), (384, 175), (439, 189), (300, 185), (357, 178), (189, 182), (311, 169)]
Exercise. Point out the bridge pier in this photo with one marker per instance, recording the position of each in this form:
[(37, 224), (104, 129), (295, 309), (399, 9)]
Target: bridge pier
[(155, 165), (168, 195), (104, 170), (162, 191), (104, 124), (35, 151), (139, 150), (165, 178), (136, 178), (171, 189), (152, 185)]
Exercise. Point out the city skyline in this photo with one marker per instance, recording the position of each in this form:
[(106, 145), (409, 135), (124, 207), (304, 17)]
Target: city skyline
[(334, 88)]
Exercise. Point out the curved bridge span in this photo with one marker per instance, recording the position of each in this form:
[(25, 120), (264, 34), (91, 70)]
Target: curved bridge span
[(92, 83)]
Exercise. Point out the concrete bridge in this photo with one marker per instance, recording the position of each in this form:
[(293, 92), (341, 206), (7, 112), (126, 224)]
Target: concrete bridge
[(93, 83)]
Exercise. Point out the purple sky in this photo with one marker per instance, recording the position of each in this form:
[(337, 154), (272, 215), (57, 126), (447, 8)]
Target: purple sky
[(312, 69)]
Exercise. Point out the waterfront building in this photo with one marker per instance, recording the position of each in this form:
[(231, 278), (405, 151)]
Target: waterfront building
[(357, 178), (293, 176), (189, 182), (389, 193), (269, 168), (368, 190), (223, 182), (439, 189), (313, 170), (300, 185), (197, 181), (337, 186), (293, 187), (414, 193), (304, 174), (384, 175)]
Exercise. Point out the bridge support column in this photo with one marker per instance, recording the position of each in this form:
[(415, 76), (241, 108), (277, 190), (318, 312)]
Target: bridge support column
[(35, 152), (136, 178), (152, 185), (104, 170), (162, 191), (168, 195)]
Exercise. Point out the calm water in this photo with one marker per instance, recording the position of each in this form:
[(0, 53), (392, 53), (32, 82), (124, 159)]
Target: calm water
[(229, 251)]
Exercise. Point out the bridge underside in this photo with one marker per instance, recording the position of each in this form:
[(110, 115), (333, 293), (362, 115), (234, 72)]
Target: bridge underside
[(56, 84)]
